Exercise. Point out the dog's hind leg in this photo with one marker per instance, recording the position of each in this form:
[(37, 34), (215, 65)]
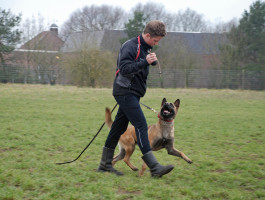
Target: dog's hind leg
[(120, 156), (144, 166), (129, 151)]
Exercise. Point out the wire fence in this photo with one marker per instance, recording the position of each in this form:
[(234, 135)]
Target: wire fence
[(208, 78), (170, 78)]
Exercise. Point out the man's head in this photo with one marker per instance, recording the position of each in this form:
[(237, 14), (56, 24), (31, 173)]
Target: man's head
[(153, 32)]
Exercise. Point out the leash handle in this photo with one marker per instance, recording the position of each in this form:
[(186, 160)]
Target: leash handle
[(88, 144)]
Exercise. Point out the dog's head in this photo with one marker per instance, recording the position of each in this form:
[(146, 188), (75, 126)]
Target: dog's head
[(168, 110)]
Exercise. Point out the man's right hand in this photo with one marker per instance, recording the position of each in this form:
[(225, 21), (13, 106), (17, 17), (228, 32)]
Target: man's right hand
[(151, 59)]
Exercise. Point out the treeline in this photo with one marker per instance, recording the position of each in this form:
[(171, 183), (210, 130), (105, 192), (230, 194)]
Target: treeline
[(94, 18)]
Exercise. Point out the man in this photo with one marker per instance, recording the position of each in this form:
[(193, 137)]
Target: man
[(129, 86)]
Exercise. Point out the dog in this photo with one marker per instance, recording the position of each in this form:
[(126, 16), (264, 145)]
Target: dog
[(160, 135)]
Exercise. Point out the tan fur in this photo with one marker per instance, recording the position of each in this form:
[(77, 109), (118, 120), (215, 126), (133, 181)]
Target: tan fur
[(160, 135)]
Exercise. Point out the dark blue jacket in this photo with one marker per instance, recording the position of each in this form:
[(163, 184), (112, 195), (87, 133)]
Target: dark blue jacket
[(133, 73)]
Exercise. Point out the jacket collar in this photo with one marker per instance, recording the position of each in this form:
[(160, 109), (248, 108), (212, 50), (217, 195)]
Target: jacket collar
[(144, 44)]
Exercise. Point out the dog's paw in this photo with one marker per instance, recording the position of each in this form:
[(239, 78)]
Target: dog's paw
[(189, 161)]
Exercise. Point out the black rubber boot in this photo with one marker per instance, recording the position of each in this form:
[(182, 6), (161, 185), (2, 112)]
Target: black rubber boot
[(106, 162), (156, 169)]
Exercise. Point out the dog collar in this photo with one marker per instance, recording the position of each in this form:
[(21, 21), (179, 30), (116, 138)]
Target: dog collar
[(163, 119)]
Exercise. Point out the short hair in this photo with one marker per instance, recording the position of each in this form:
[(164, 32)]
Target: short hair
[(155, 28)]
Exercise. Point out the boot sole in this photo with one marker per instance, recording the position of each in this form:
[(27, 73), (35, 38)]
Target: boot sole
[(113, 172), (166, 171)]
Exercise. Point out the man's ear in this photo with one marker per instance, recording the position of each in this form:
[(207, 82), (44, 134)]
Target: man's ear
[(148, 35)]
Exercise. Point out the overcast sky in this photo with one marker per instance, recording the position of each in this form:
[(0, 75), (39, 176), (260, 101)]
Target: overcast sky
[(58, 11)]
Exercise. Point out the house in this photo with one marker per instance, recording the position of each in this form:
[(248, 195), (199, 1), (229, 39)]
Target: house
[(45, 44), (35, 61)]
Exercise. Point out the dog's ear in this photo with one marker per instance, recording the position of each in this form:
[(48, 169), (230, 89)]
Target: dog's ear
[(177, 102), (163, 101)]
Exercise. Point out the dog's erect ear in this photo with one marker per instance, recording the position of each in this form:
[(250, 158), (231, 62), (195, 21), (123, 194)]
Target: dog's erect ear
[(163, 101), (177, 102)]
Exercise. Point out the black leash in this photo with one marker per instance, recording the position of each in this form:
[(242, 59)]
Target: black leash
[(88, 144)]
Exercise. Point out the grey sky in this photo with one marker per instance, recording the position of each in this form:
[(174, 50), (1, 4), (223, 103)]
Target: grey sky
[(58, 11)]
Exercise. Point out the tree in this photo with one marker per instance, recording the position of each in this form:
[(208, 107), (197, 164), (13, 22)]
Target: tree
[(95, 18), (247, 40), (224, 27), (189, 21), (9, 32), (89, 67), (252, 30), (135, 26), (155, 11), (246, 48)]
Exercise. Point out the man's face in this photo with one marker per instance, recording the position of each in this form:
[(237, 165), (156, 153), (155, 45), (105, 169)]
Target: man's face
[(152, 41)]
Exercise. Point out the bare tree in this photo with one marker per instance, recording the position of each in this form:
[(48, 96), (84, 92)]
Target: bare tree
[(155, 11), (32, 27), (94, 18), (224, 27), (151, 10), (189, 21)]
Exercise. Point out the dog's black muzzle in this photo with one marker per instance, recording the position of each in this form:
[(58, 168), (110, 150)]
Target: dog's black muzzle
[(167, 111)]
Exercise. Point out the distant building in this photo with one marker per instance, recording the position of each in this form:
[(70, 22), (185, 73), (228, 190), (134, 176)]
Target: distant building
[(45, 44), (35, 61), (204, 45)]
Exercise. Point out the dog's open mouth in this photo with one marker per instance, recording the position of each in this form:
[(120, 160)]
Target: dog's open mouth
[(167, 110)]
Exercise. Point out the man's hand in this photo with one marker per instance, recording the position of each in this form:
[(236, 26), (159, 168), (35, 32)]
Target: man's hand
[(151, 59)]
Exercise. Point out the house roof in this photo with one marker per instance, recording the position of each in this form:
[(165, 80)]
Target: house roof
[(79, 40), (46, 40), (199, 43)]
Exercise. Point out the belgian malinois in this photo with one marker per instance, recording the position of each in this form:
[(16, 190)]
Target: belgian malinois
[(160, 135)]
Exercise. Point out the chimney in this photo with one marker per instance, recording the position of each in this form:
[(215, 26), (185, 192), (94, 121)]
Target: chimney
[(54, 28)]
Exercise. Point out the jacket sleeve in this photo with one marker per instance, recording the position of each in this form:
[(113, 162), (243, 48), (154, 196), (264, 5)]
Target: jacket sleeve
[(126, 60)]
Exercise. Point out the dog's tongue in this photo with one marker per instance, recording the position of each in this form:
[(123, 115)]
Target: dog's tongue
[(166, 112)]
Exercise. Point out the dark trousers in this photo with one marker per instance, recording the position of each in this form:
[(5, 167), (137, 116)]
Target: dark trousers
[(129, 111)]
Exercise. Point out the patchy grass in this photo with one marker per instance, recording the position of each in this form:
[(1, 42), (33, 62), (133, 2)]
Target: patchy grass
[(222, 131)]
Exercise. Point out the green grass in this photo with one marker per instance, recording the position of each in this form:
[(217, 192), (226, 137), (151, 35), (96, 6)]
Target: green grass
[(222, 131)]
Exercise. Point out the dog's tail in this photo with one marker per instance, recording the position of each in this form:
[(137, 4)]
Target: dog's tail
[(108, 119)]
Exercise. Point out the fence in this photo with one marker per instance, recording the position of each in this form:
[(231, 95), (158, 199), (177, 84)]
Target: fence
[(18, 74), (208, 78), (170, 78)]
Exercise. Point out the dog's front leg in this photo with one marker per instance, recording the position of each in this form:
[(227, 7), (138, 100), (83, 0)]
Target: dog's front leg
[(171, 150)]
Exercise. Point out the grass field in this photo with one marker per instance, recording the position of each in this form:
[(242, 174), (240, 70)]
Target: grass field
[(222, 131)]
